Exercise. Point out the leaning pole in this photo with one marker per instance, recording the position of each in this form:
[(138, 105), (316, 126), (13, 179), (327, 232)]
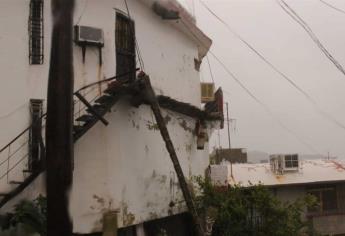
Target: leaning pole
[(59, 139)]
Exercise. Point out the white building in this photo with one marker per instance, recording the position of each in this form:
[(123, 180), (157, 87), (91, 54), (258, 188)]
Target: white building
[(325, 179), (122, 167)]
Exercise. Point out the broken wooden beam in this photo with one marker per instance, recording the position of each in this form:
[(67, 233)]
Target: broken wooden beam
[(152, 99)]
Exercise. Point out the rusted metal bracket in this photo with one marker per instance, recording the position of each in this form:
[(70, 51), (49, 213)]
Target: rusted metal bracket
[(92, 111), (152, 100)]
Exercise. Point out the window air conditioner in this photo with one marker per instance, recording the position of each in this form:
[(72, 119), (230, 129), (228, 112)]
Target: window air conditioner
[(207, 92), (85, 35)]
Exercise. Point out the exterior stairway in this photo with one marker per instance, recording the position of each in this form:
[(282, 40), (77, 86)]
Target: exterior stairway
[(91, 103), (20, 166)]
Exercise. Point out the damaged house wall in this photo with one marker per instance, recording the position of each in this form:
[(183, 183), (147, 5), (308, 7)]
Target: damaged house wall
[(124, 166)]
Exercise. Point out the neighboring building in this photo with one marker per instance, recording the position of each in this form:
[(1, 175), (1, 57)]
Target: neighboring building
[(123, 167), (233, 155), (325, 179)]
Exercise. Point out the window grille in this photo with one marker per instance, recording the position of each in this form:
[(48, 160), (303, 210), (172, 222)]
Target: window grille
[(36, 34), (291, 161), (125, 47)]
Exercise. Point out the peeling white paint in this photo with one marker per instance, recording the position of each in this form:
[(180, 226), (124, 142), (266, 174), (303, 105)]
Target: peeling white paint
[(124, 166)]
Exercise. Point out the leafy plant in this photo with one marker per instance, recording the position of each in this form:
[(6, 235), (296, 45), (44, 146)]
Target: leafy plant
[(30, 214), (251, 211)]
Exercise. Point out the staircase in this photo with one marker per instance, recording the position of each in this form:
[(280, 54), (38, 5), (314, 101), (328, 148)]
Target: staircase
[(20, 166), (91, 103)]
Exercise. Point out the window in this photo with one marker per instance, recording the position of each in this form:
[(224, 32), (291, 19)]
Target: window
[(36, 110), (327, 199), (36, 32), (291, 161), (125, 47)]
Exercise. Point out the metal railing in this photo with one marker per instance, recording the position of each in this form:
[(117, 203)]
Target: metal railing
[(17, 152)]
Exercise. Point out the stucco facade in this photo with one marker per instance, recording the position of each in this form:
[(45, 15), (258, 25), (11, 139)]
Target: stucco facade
[(124, 166)]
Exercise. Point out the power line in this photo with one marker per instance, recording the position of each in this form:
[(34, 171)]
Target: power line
[(82, 13), (331, 6), (273, 67), (209, 66), (287, 9), (264, 106)]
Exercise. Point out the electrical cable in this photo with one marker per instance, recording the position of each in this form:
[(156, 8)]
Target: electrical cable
[(264, 106), (287, 9), (209, 66), (273, 67), (13, 111), (141, 61), (82, 13), (331, 6)]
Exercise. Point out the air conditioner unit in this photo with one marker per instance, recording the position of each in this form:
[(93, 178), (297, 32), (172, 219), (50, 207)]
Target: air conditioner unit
[(207, 92), (291, 162), (281, 163), (86, 35)]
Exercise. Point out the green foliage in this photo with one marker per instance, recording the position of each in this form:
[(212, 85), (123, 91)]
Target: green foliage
[(30, 214), (254, 210)]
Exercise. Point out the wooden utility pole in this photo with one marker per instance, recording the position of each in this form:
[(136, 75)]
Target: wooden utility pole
[(59, 139), (152, 100)]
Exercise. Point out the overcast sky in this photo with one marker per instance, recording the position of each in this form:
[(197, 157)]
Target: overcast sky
[(286, 45)]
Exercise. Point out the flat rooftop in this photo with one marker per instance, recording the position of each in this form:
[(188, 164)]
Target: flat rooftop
[(310, 171)]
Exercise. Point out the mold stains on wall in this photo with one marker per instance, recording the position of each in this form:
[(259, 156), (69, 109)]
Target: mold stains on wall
[(128, 218), (154, 174), (147, 150), (101, 204), (183, 124), (99, 200), (167, 119), (152, 126), (188, 148), (153, 216), (161, 179), (135, 125), (190, 173)]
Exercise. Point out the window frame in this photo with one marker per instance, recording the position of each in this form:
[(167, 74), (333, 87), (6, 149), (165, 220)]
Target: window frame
[(36, 32), (291, 161), (319, 192), (127, 53)]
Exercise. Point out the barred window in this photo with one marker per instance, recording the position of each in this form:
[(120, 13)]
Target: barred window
[(36, 32), (125, 47)]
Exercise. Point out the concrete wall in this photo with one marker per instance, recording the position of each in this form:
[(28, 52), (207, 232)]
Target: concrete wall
[(123, 166)]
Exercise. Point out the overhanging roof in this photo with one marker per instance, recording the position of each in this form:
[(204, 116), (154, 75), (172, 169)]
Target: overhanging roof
[(186, 24)]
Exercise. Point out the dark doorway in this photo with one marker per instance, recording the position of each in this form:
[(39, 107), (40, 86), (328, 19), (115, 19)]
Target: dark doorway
[(125, 48), (180, 225)]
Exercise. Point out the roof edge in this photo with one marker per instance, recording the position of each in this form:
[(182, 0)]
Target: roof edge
[(185, 23)]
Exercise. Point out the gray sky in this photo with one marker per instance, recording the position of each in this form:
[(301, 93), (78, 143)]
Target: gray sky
[(286, 45)]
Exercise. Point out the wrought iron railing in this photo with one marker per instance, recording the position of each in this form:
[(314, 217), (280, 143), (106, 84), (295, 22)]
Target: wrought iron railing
[(17, 152)]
